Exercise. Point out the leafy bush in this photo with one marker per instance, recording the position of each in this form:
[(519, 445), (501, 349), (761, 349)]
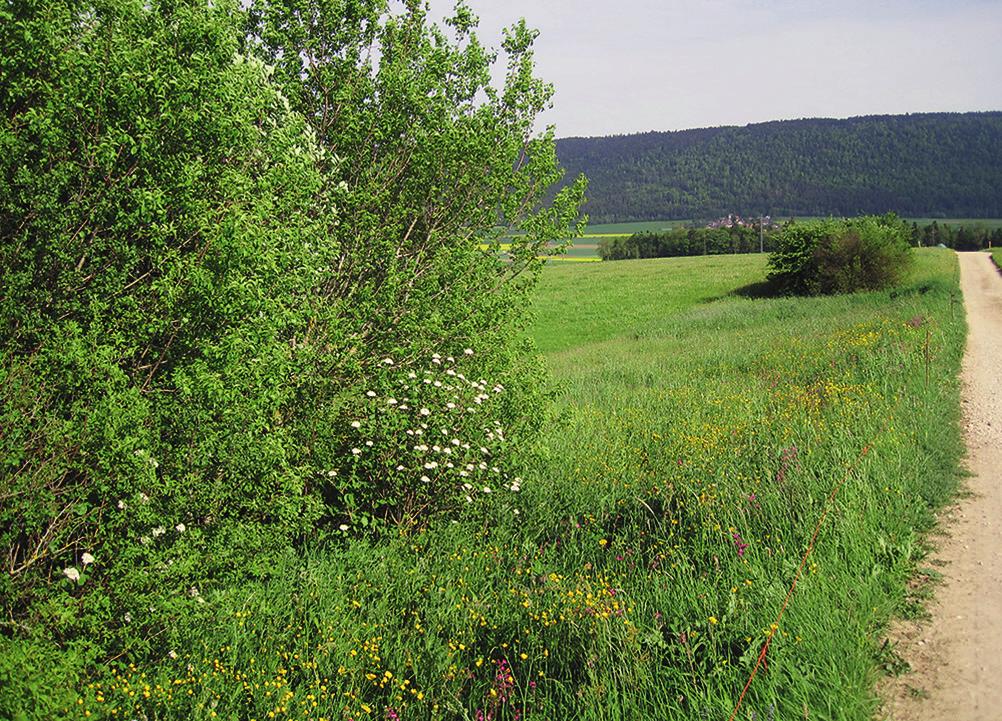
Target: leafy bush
[(840, 255), (206, 261)]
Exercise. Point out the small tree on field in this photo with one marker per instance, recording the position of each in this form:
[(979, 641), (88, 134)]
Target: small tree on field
[(840, 255)]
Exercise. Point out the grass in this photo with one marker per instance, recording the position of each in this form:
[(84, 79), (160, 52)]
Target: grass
[(641, 567)]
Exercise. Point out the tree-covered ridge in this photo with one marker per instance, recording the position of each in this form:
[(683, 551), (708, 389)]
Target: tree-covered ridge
[(936, 164)]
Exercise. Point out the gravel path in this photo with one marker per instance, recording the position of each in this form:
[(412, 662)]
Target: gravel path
[(956, 656)]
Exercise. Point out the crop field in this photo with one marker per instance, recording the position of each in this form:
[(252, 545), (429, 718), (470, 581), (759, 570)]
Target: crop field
[(643, 563)]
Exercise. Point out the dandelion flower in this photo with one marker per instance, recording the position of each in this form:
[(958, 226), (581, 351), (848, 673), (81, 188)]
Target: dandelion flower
[(71, 573)]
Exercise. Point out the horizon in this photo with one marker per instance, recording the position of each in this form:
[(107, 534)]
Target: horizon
[(655, 66), (781, 120)]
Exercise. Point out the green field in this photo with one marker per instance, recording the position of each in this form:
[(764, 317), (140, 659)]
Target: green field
[(639, 570)]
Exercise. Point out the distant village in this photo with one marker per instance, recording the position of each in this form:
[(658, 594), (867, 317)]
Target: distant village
[(733, 220)]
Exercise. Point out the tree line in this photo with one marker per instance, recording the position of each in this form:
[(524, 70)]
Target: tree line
[(679, 242)]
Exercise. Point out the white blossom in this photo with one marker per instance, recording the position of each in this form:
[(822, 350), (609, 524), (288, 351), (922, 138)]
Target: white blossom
[(371, 394), (86, 559), (388, 361), (356, 451), (356, 424), (343, 527), (468, 351), (180, 528), (71, 573)]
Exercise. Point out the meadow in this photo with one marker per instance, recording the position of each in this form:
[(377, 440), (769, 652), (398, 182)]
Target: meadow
[(640, 565)]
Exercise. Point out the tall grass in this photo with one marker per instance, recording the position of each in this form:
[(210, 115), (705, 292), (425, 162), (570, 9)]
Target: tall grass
[(638, 571)]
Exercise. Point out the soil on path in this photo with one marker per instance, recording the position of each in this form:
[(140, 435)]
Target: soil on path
[(956, 656)]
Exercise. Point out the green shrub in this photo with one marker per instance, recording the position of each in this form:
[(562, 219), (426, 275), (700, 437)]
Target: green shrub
[(203, 276), (840, 255)]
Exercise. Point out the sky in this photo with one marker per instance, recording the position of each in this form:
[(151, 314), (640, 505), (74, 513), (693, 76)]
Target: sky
[(627, 66)]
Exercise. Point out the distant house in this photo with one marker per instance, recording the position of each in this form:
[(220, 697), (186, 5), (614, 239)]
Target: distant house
[(733, 220)]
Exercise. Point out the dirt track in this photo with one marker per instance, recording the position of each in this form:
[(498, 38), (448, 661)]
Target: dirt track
[(956, 656)]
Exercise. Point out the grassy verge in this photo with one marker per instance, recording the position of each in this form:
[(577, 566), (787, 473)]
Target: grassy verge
[(649, 550)]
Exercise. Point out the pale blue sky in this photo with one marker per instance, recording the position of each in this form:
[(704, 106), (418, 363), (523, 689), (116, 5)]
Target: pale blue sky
[(634, 65)]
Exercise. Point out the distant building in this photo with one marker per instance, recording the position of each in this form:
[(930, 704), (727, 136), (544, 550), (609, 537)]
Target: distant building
[(733, 220)]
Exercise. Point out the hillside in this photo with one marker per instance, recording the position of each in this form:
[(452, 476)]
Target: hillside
[(930, 165)]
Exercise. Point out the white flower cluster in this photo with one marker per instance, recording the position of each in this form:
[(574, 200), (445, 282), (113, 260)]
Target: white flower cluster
[(437, 427)]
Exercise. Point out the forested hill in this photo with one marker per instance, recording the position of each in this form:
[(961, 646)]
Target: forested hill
[(925, 165)]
